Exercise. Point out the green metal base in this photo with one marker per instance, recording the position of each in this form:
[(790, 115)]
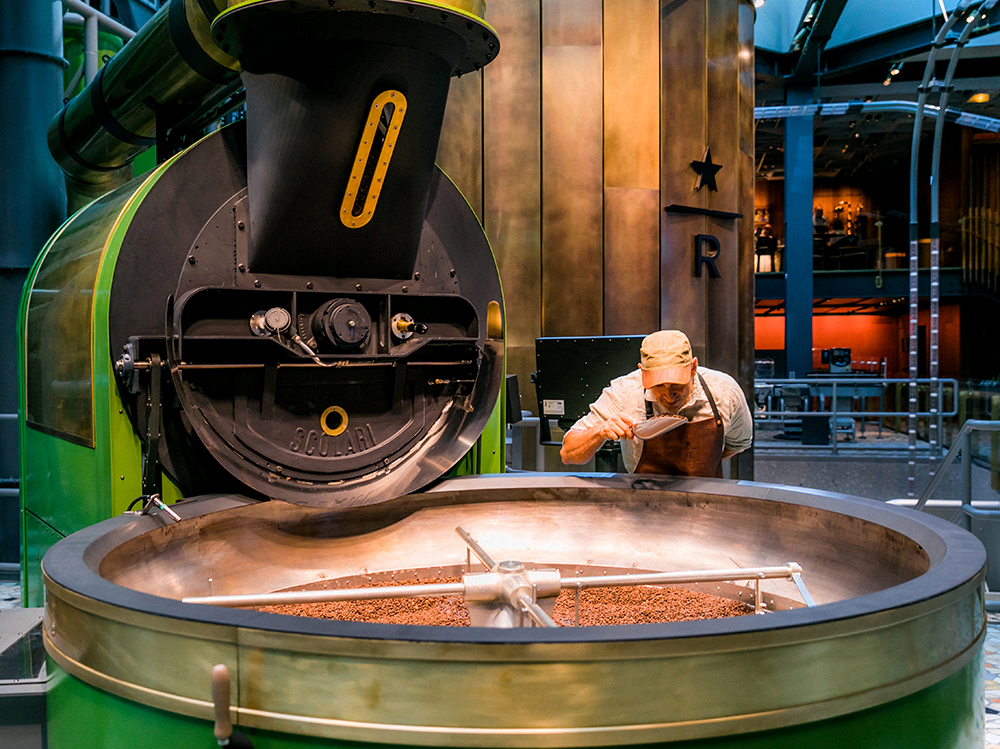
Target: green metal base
[(947, 715)]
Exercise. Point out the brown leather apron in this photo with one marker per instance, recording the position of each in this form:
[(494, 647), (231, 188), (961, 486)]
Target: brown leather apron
[(694, 449)]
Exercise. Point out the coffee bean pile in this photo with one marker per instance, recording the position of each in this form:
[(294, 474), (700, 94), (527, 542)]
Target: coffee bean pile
[(641, 604), (440, 611)]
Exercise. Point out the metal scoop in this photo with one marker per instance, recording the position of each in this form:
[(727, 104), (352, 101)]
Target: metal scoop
[(646, 430)]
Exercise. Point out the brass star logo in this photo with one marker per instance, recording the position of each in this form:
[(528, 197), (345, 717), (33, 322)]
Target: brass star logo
[(706, 171)]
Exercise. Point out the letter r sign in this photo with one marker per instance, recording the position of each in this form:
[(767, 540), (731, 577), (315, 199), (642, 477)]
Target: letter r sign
[(706, 250)]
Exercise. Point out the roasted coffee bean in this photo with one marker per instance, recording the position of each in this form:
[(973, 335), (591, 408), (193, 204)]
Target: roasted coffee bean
[(640, 604)]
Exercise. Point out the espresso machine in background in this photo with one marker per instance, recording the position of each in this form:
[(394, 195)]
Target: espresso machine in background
[(838, 359)]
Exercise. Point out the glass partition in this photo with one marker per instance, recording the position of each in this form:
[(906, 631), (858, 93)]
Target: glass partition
[(59, 347)]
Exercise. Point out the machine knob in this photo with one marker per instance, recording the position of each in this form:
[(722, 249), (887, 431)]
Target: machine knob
[(403, 326), (270, 322), (277, 319), (344, 322)]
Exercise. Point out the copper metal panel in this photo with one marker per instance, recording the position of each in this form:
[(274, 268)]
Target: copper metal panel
[(682, 140), (631, 261), (512, 171), (682, 302), (571, 23), (460, 150), (682, 99), (572, 193), (722, 102), (702, 107), (631, 94)]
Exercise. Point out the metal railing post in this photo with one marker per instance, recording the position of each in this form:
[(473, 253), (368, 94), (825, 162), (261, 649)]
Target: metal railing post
[(964, 444), (940, 419), (833, 408), (995, 445), (834, 388), (966, 476)]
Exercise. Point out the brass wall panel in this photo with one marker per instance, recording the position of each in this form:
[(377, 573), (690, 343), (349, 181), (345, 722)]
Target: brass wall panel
[(512, 176), (572, 169), (631, 95), (703, 107), (683, 139), (631, 261), (631, 167), (743, 466), (722, 119), (571, 23), (460, 150)]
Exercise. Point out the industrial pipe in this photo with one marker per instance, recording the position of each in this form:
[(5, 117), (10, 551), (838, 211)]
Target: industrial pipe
[(833, 109), (102, 19), (167, 70)]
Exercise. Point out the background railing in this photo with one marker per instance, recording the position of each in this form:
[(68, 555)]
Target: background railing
[(841, 405)]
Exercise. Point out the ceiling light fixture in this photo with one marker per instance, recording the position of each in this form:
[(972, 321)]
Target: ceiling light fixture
[(758, 3), (978, 98), (894, 70)]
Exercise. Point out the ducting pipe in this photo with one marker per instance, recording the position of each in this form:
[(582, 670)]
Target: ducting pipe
[(169, 68), (956, 116)]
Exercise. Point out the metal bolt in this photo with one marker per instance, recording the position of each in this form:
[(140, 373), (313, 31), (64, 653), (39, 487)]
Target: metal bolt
[(243, 268), (191, 259), (357, 287), (452, 272), (416, 276), (240, 225), (122, 478), (309, 284), (405, 289), (257, 283)]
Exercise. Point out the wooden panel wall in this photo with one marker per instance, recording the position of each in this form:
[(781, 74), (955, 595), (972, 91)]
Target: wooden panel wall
[(682, 140), (572, 160), (584, 128), (631, 167), (460, 151), (722, 133), (512, 177)]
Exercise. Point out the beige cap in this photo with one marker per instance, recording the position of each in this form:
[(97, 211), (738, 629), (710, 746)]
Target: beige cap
[(666, 359)]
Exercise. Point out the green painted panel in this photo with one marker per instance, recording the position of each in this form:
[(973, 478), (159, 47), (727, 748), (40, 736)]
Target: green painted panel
[(947, 715), (67, 486), (37, 538), (492, 441)]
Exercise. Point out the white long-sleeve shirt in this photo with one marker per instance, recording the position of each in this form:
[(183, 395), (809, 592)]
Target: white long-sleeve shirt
[(626, 395)]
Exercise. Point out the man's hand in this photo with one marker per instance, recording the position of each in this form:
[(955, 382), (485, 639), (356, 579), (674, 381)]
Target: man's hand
[(617, 427), (579, 445)]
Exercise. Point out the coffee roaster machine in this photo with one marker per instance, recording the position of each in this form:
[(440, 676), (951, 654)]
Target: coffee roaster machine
[(254, 372)]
